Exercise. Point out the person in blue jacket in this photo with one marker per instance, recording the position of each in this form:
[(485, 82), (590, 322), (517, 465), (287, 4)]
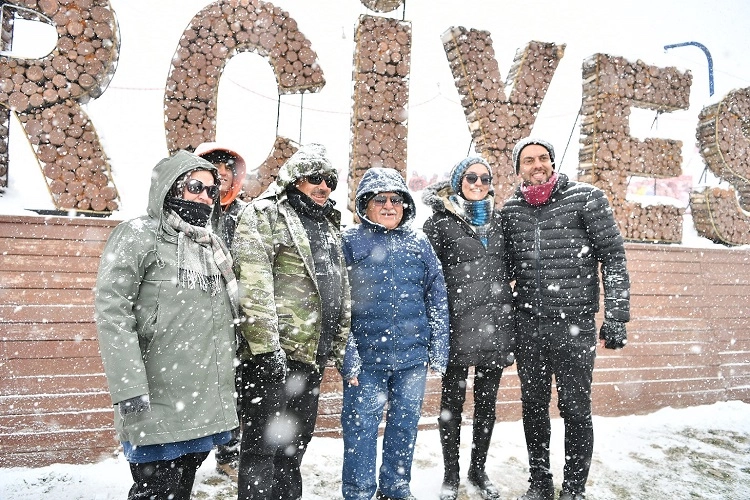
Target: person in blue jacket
[(400, 327)]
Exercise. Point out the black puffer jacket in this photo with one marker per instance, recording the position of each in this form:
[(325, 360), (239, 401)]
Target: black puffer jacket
[(479, 294), (555, 250)]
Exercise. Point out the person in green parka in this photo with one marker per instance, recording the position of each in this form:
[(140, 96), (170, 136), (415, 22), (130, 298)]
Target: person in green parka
[(166, 302)]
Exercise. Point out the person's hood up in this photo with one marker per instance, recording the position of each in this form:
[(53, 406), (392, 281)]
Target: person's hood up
[(382, 180), (240, 168), (167, 171), (308, 159)]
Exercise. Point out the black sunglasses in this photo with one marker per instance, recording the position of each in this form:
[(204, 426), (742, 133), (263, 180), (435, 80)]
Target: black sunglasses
[(331, 180), (196, 187), (381, 199), (472, 178)]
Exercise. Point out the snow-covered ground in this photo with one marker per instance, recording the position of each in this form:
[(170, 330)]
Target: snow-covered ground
[(701, 452)]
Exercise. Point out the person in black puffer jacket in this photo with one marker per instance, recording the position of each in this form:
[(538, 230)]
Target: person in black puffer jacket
[(467, 236), (558, 233)]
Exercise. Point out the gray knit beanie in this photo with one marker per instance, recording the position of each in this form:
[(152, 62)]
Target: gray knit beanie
[(527, 141)]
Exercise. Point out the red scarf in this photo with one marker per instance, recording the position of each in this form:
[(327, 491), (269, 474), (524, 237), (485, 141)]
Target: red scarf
[(539, 194)]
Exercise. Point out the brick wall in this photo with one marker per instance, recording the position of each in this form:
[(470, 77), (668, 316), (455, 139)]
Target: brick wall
[(689, 342)]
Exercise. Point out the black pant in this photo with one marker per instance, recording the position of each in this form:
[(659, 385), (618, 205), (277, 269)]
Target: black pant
[(261, 405), (302, 397), (165, 479), (565, 348), (486, 383)]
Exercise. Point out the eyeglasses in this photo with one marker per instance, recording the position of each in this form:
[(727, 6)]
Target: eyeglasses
[(331, 180), (197, 187), (472, 178), (381, 200)]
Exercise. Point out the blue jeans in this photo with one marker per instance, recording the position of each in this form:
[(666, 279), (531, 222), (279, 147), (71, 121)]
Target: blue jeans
[(403, 390)]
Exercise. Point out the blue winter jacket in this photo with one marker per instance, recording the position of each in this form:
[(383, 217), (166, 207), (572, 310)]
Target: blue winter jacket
[(399, 300)]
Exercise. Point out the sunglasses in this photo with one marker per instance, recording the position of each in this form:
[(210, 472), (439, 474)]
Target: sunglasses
[(381, 200), (331, 180), (197, 187), (472, 178)]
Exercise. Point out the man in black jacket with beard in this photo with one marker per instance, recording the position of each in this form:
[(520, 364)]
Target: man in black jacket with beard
[(557, 233)]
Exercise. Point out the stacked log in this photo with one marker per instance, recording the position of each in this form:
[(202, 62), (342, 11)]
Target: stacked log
[(382, 62), (609, 155), (718, 216), (722, 135), (722, 215), (258, 180), (47, 94), (6, 43), (496, 123), (382, 5), (72, 158), (215, 35)]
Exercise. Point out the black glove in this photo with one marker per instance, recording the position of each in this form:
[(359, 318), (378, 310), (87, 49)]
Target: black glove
[(613, 333), (272, 364), (134, 405)]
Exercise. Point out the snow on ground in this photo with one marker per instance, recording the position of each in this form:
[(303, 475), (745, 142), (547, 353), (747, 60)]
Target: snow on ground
[(700, 452)]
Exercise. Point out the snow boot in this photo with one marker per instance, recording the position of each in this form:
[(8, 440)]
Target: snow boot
[(450, 438), (569, 495), (539, 490), (477, 475)]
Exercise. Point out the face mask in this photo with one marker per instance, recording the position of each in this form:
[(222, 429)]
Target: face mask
[(192, 212)]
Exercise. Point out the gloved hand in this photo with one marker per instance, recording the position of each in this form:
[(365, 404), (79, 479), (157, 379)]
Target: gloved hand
[(134, 405), (272, 364), (613, 333)]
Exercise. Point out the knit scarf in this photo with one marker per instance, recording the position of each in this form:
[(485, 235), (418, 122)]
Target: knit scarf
[(202, 260), (476, 213), (539, 194)]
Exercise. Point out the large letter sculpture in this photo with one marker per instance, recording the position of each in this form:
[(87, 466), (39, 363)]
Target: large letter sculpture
[(46, 95), (217, 33), (497, 122), (611, 85), (723, 135), (382, 62)]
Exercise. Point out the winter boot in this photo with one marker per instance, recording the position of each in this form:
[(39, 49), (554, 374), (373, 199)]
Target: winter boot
[(539, 491), (450, 438), (569, 495), (480, 446), (228, 469)]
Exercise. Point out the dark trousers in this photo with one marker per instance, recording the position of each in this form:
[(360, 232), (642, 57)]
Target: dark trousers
[(302, 391), (486, 383), (565, 348), (165, 479), (260, 409)]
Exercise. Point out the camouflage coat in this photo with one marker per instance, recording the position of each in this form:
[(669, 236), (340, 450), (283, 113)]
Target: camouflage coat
[(274, 263)]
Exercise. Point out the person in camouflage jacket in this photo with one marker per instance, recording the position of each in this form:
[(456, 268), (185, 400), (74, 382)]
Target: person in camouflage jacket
[(287, 251)]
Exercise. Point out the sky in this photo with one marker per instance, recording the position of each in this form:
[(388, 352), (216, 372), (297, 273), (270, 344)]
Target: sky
[(129, 115), (702, 452)]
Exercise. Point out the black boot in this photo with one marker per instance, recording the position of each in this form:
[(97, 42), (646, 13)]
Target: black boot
[(477, 474), (450, 438)]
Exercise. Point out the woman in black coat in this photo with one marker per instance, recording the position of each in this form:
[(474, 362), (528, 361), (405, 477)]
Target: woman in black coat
[(466, 233)]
